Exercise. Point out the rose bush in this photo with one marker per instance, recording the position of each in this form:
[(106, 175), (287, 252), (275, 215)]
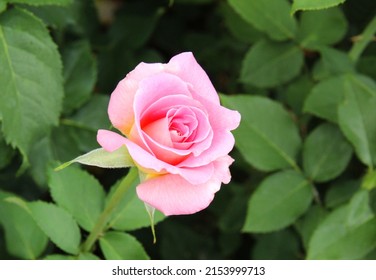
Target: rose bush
[(176, 132)]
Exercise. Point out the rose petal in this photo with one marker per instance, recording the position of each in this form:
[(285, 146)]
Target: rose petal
[(112, 141), (121, 103), (185, 66), (172, 195)]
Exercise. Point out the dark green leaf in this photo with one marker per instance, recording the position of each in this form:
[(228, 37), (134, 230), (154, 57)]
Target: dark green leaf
[(42, 2), (23, 237), (281, 245), (296, 93), (80, 74), (326, 153), (325, 98), (268, 64), (359, 210), (31, 79), (309, 222), (277, 202), (325, 27), (121, 246), (333, 62), (79, 193), (357, 116), (239, 28), (6, 152), (267, 137), (271, 16), (334, 239), (340, 193), (314, 5), (57, 224)]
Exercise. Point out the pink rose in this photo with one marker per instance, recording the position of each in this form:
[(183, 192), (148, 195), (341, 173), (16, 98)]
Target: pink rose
[(176, 132)]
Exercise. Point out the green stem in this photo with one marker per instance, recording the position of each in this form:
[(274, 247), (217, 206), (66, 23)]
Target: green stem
[(365, 38), (97, 231)]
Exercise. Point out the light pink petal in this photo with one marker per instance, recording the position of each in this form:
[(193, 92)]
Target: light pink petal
[(112, 141), (120, 108), (185, 66), (221, 169), (155, 87), (172, 195)]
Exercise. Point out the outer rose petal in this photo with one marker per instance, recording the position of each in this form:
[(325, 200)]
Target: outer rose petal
[(185, 66), (121, 103), (172, 195)]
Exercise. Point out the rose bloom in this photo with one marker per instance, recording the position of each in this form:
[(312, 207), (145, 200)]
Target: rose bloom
[(176, 132)]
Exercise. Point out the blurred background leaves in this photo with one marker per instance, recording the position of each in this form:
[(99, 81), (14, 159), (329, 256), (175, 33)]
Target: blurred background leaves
[(301, 73)]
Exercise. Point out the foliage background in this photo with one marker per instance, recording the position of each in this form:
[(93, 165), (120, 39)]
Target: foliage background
[(303, 78)]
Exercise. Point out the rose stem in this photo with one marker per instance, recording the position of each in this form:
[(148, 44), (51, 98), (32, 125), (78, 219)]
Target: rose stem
[(97, 231), (365, 38)]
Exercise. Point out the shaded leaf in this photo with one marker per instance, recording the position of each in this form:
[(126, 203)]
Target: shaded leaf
[(23, 237), (267, 136), (268, 64), (324, 99), (57, 224), (271, 16), (121, 246), (326, 153), (277, 202), (281, 245), (79, 193), (80, 74)]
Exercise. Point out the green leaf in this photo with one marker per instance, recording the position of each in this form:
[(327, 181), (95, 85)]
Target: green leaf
[(101, 158), (57, 224), (6, 152), (278, 201), (340, 193), (130, 213), (93, 114), (359, 210), (80, 74), (23, 237), (31, 79), (269, 64), (59, 257), (325, 98), (79, 193), (42, 2), (357, 116), (334, 239), (325, 27), (3, 6), (121, 246), (267, 136), (239, 28), (296, 93), (281, 245), (326, 153), (369, 180), (332, 62), (314, 5), (309, 222), (271, 17), (88, 256)]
